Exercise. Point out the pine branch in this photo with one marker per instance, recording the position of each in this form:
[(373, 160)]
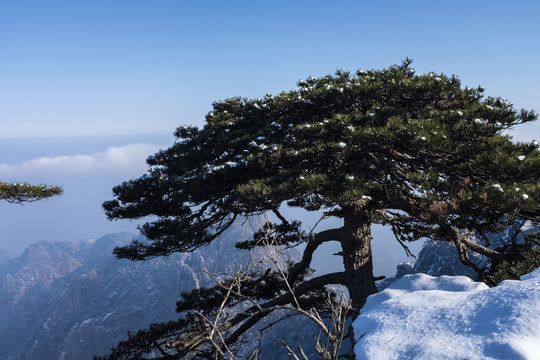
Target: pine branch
[(18, 193)]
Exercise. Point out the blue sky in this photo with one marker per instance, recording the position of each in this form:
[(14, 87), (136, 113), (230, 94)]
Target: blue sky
[(88, 89), (116, 67)]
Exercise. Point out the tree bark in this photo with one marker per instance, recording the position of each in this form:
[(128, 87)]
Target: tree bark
[(356, 244)]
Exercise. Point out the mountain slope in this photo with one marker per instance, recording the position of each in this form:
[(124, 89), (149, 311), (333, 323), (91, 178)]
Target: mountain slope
[(75, 300)]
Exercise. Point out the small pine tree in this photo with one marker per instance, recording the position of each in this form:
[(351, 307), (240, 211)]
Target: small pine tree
[(419, 153)]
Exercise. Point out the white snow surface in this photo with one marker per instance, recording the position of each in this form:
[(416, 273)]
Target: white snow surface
[(451, 317)]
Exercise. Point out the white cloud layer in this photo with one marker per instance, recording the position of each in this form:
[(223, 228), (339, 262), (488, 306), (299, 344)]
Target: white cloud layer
[(124, 159)]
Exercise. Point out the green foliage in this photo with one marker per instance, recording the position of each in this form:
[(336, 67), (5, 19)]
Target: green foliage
[(524, 260), (408, 142), (20, 193)]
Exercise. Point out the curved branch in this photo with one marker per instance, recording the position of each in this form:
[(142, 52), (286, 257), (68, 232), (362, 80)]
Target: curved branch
[(280, 216), (307, 256), (221, 227), (464, 257), (476, 247), (405, 247)]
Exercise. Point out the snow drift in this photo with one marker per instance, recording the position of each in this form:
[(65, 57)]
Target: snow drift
[(451, 317)]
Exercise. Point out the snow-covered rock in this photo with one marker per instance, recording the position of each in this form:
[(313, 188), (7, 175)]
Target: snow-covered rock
[(451, 317), (436, 258)]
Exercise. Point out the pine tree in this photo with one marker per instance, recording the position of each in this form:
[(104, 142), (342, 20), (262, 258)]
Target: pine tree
[(418, 153), (19, 193)]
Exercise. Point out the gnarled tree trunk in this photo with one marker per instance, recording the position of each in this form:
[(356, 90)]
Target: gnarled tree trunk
[(355, 241)]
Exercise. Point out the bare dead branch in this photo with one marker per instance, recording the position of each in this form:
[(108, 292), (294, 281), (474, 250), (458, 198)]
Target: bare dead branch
[(289, 350)]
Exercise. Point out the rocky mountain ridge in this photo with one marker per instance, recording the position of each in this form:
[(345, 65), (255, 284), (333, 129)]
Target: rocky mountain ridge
[(62, 300)]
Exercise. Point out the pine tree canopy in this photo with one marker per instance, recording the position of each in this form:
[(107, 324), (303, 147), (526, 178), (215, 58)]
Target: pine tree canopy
[(22, 192), (419, 153)]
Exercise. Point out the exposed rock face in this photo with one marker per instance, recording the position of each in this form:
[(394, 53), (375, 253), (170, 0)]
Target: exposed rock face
[(76, 300), (57, 300), (439, 258), (435, 259)]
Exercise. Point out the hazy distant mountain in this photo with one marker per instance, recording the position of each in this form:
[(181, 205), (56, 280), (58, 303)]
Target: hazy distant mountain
[(3, 256), (74, 300), (63, 300)]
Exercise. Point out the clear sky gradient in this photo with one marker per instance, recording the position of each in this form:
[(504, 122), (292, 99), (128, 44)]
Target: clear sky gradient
[(139, 69), (117, 67)]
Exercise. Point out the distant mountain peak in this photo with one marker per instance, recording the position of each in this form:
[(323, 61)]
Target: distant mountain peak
[(3, 256), (73, 300)]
